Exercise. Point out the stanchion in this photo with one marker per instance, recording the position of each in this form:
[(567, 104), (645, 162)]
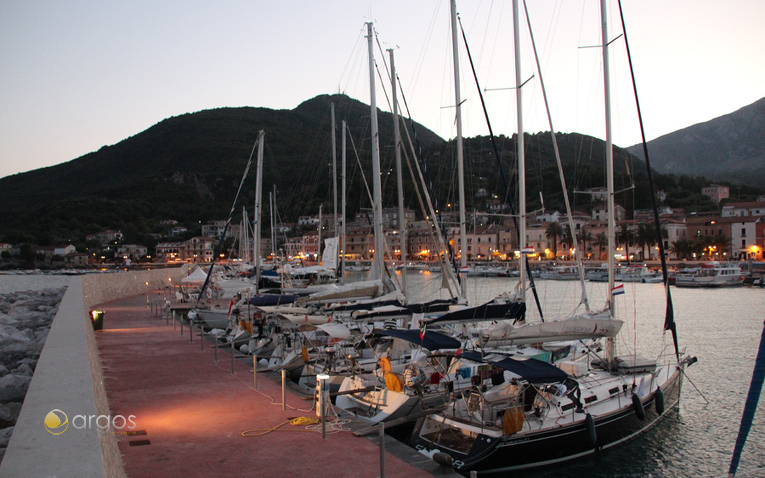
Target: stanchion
[(173, 312), (381, 429), (255, 372), (284, 389)]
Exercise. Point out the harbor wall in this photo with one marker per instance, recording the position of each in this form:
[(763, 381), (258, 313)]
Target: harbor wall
[(69, 379)]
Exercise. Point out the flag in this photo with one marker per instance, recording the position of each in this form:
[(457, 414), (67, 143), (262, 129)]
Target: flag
[(619, 289), (527, 250), (230, 306), (422, 331)]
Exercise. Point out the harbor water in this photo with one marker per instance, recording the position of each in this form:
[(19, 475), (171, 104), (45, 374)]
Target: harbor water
[(722, 327)]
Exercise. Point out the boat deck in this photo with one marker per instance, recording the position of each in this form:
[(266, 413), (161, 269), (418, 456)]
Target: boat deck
[(190, 411)]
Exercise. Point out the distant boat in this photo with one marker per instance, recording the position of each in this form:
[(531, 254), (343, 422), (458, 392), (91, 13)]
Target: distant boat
[(570, 272), (711, 274)]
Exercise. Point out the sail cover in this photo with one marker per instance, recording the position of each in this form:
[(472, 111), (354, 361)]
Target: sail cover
[(488, 311), (329, 255), (429, 340), (532, 370)]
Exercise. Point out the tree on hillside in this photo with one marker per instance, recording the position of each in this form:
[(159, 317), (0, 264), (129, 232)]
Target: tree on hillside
[(601, 241), (625, 236), (552, 233), (584, 236)]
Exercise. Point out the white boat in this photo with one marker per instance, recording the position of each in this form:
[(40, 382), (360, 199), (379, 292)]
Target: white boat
[(624, 273), (711, 274), (567, 272)]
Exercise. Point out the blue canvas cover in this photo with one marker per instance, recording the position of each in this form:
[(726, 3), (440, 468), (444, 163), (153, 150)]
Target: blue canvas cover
[(532, 370), (430, 340)]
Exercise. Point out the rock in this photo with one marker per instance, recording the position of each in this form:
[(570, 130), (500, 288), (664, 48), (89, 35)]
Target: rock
[(3, 370), (14, 387), (24, 369), (5, 436), (7, 416)]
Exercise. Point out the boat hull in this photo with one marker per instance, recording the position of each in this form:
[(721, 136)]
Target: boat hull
[(537, 449)]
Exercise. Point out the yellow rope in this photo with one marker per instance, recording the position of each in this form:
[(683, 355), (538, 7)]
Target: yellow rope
[(293, 421)]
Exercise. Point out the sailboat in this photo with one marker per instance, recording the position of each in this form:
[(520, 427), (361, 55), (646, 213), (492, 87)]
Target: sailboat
[(534, 414)]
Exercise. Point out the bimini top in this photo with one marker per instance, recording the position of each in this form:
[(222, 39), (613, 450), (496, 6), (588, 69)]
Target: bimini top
[(530, 369), (430, 340)]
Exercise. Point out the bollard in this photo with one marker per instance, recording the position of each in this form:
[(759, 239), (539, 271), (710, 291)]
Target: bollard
[(323, 399), (201, 338), (216, 349), (181, 326), (173, 312), (473, 474), (255, 372), (381, 429), (191, 332), (233, 351), (284, 389)]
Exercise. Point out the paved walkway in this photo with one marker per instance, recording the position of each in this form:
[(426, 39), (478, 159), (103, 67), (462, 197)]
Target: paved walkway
[(193, 411)]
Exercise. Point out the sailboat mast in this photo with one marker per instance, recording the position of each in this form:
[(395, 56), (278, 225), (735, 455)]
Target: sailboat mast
[(397, 145), (334, 169), (318, 246), (378, 264), (460, 158), (521, 152), (611, 344), (258, 201), (342, 209)]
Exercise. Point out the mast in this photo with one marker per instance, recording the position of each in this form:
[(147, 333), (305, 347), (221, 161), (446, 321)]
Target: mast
[(397, 146), (521, 152), (318, 247), (273, 219), (378, 264), (610, 343), (334, 169), (342, 193), (258, 200), (460, 159)]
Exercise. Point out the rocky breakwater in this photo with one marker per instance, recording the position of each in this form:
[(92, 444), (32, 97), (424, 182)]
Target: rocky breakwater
[(25, 320)]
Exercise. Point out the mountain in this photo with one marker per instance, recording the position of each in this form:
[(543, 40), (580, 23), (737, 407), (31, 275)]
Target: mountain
[(189, 167), (729, 148)]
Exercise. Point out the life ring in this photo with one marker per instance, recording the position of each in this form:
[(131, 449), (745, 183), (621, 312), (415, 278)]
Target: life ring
[(384, 364), (659, 401), (638, 406)]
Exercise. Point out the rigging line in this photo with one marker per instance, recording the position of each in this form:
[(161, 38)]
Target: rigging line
[(584, 299), (261, 134), (669, 319), (438, 240), (363, 176), (506, 184)]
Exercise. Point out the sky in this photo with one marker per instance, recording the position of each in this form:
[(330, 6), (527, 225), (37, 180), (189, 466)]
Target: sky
[(76, 75)]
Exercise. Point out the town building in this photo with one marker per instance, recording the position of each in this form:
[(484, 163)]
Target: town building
[(716, 192), (756, 209)]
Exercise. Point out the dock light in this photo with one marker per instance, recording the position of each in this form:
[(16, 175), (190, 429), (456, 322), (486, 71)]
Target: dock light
[(97, 319)]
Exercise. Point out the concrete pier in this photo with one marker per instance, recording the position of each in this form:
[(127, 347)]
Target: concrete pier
[(172, 411)]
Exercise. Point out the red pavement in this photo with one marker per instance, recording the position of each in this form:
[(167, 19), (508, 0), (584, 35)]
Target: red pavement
[(194, 411)]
